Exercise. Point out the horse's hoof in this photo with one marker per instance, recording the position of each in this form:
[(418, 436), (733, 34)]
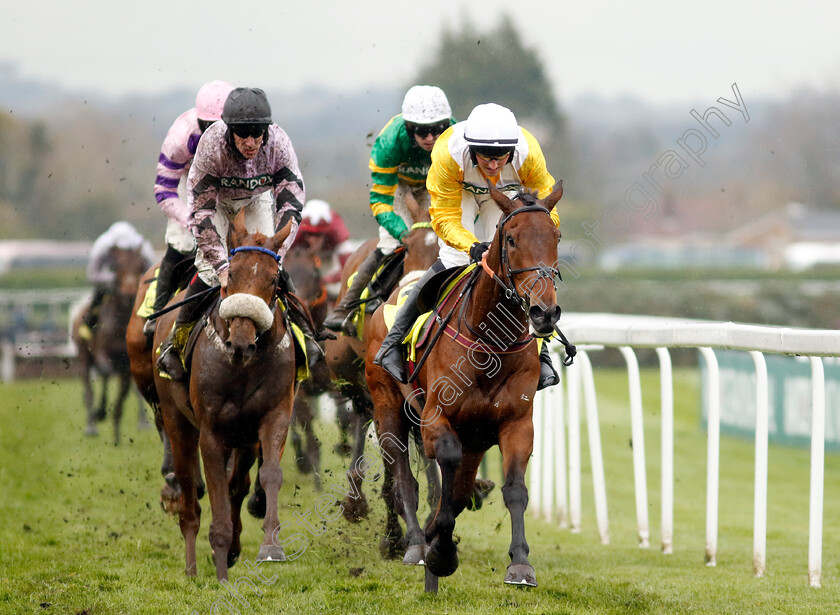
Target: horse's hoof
[(170, 499), (442, 561), (343, 449), (271, 553), (100, 415), (390, 546), (521, 574), (303, 465), (256, 505), (481, 489), (232, 558), (415, 555), (91, 430)]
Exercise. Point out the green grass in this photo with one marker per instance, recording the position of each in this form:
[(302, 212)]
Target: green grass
[(81, 530)]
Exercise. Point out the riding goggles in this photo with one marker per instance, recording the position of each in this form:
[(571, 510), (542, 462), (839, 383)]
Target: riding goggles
[(424, 130), (243, 131)]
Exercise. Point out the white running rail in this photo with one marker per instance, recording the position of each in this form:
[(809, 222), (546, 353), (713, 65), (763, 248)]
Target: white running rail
[(548, 469)]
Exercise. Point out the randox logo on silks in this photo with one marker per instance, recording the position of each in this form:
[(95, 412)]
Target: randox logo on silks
[(247, 183), (473, 189)]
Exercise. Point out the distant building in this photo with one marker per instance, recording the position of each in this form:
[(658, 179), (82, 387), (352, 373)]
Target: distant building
[(39, 253), (796, 237)]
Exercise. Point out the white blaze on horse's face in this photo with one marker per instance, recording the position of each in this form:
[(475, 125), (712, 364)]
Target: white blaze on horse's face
[(431, 239)]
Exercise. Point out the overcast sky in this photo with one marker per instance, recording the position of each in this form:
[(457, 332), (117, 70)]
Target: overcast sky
[(662, 51)]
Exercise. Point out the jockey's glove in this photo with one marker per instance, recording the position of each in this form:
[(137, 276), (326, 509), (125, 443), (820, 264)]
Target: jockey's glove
[(478, 249)]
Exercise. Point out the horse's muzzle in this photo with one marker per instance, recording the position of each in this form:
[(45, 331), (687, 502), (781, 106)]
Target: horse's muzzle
[(543, 320)]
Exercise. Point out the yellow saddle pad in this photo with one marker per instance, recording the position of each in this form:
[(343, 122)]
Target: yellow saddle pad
[(147, 308)]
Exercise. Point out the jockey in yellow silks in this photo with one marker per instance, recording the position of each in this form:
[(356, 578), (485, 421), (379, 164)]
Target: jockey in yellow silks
[(488, 145)]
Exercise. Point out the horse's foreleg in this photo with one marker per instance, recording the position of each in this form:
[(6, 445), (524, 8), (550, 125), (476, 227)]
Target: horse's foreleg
[(87, 396), (214, 456), (272, 435), (238, 485), (125, 384), (442, 555), (356, 507), (400, 489), (313, 447), (256, 503), (516, 444), (184, 439), (102, 406)]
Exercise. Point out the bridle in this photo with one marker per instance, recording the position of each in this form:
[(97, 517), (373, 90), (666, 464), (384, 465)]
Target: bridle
[(542, 270), (277, 258)]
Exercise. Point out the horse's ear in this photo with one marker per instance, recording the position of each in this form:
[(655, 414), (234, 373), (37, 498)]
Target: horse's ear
[(415, 209), (501, 199), (237, 231), (551, 200), (280, 236)]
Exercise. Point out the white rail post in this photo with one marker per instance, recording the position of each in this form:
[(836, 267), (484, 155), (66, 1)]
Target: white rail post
[(596, 456), (535, 466), (712, 455), (762, 411), (666, 394), (7, 360), (560, 486), (547, 457), (574, 447), (817, 471), (638, 436)]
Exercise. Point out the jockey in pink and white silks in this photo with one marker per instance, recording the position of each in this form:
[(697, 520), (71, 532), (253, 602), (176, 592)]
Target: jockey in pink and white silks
[(176, 155), (245, 162)]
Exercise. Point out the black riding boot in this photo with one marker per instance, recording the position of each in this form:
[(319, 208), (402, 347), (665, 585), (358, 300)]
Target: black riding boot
[(341, 317), (170, 361), (390, 355), (548, 375), (164, 286)]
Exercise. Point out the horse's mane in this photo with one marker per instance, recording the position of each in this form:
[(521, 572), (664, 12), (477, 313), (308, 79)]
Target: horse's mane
[(527, 196)]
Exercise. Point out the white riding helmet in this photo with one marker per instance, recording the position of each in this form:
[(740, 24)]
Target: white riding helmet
[(124, 236), (316, 211), (211, 99), (425, 104), (491, 126)]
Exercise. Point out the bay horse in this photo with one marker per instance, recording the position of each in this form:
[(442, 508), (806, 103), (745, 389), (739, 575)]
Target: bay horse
[(345, 357), (238, 399), (105, 352), (479, 382)]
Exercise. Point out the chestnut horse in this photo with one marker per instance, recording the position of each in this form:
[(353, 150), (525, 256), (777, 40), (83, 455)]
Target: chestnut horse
[(479, 382), (105, 352), (302, 266), (238, 399)]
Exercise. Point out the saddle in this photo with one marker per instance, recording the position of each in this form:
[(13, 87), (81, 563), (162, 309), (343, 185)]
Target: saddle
[(437, 298)]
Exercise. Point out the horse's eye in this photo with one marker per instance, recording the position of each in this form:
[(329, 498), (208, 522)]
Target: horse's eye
[(510, 241)]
